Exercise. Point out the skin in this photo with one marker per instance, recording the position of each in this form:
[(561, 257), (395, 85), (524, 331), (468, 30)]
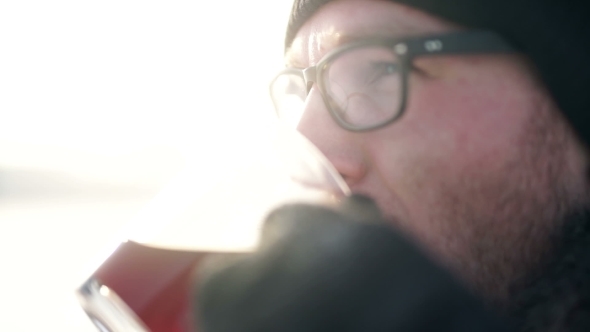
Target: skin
[(480, 170)]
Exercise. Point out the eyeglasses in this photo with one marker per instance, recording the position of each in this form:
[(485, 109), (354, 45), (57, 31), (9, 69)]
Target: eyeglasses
[(364, 84)]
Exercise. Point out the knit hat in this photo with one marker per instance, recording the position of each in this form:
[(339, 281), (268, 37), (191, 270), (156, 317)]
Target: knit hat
[(554, 34)]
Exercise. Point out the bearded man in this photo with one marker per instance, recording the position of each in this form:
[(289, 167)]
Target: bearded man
[(466, 124)]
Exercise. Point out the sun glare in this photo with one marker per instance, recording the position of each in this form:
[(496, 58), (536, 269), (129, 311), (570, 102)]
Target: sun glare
[(104, 103)]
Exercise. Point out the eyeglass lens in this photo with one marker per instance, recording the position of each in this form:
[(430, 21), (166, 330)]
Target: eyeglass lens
[(363, 87)]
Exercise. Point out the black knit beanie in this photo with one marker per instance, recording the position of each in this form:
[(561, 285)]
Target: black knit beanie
[(554, 34)]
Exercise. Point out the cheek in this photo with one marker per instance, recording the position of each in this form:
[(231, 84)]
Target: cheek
[(452, 130), (466, 125)]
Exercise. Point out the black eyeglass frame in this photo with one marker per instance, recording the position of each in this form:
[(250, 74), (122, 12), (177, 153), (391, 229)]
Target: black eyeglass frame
[(454, 43)]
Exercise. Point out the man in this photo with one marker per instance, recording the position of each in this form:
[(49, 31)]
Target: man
[(466, 122)]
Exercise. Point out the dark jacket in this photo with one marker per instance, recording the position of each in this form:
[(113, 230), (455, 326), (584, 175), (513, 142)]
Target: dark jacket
[(320, 271)]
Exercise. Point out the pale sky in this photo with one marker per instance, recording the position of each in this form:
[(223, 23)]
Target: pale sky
[(103, 103)]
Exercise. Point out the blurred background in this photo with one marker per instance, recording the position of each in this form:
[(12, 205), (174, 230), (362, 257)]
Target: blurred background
[(103, 104)]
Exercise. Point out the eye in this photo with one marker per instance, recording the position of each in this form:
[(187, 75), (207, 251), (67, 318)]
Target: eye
[(385, 67), (391, 68), (380, 70)]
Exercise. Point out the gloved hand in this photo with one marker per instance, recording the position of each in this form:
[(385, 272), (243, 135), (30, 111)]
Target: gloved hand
[(341, 270)]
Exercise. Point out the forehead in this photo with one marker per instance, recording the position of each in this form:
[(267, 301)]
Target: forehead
[(342, 21)]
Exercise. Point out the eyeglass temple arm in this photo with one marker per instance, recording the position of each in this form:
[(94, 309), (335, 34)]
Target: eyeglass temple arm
[(464, 42)]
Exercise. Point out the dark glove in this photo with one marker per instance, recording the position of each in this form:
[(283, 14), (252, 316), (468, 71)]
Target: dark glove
[(341, 270)]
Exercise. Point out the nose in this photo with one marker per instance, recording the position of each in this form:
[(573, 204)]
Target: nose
[(341, 147)]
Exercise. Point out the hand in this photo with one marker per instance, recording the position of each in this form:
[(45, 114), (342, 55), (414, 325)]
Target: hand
[(342, 270)]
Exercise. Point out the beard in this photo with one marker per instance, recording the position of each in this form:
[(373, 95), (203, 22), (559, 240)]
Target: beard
[(497, 256), (493, 228)]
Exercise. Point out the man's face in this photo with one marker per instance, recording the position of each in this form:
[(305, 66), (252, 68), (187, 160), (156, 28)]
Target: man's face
[(481, 167)]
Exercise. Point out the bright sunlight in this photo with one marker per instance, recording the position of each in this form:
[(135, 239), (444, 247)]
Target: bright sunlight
[(105, 104)]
